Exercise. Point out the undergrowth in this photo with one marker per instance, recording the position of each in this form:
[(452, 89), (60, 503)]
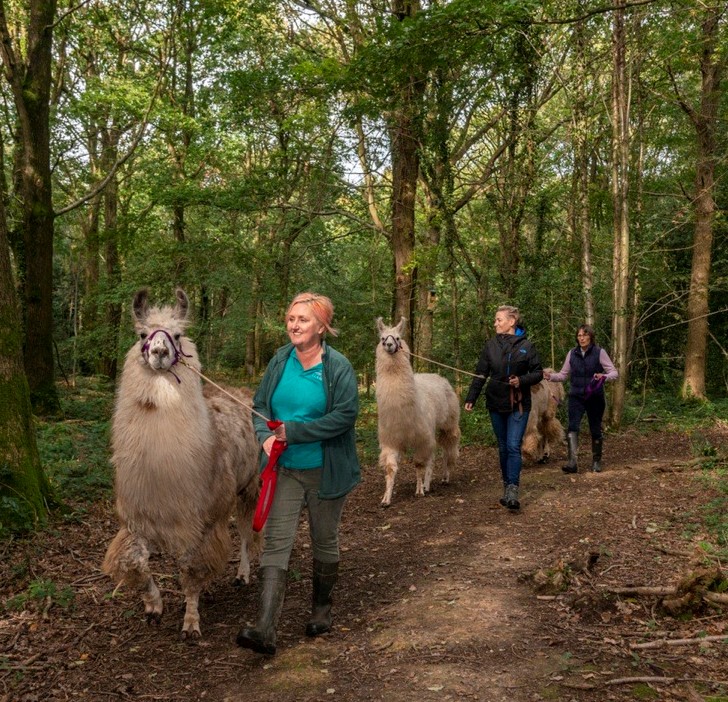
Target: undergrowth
[(74, 451)]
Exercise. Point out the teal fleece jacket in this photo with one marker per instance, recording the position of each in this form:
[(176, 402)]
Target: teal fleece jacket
[(335, 429)]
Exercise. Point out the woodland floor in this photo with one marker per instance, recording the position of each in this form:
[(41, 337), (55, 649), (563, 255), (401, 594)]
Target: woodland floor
[(436, 599)]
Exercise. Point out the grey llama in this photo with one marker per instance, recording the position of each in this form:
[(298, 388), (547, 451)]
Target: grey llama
[(417, 411), (185, 458)]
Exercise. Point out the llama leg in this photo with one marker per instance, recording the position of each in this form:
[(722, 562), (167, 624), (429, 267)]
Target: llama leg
[(127, 561), (424, 476), (450, 443), (388, 461), (191, 625), (424, 457), (152, 599), (198, 567), (249, 541), (193, 580), (449, 458)]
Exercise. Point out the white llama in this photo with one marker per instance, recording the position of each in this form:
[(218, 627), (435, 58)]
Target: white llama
[(185, 458), (416, 411)]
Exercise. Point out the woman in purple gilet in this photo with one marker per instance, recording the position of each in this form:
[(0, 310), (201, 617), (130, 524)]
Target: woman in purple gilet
[(588, 366)]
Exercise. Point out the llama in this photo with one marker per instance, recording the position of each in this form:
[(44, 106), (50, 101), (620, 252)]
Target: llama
[(415, 410), (185, 457), (543, 428)]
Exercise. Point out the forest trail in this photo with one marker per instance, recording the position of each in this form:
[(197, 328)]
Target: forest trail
[(436, 599)]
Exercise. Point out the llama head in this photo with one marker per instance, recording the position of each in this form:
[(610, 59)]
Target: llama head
[(160, 329), (391, 337)]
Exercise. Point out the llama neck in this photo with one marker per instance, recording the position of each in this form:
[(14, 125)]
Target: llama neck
[(395, 379)]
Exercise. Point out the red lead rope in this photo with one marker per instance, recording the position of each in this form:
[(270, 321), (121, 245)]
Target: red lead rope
[(269, 478)]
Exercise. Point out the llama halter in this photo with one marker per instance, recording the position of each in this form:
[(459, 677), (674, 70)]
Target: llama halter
[(178, 352), (397, 343)]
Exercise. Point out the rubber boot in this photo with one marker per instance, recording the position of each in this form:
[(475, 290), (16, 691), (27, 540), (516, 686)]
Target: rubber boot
[(262, 639), (573, 441), (325, 576), (512, 497), (597, 455), (504, 500)]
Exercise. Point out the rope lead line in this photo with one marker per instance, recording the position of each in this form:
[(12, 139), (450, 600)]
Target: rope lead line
[(221, 389), (265, 419), (444, 365)]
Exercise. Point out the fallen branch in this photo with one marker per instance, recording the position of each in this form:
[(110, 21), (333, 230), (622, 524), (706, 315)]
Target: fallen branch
[(627, 681), (717, 597), (646, 590), (696, 553), (661, 681), (678, 642)]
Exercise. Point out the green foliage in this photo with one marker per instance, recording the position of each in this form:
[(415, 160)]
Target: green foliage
[(17, 515), (366, 429), (668, 411), (75, 451), (715, 512), (41, 593)]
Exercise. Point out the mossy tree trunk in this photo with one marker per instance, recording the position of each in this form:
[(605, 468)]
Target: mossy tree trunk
[(23, 486), (27, 70)]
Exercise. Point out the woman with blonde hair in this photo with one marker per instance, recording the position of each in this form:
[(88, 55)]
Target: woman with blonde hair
[(510, 364), (311, 388)]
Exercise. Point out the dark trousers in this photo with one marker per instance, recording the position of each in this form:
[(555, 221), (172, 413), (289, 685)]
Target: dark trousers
[(594, 408)]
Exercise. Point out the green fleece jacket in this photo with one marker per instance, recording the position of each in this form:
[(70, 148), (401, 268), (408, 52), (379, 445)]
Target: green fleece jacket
[(335, 429)]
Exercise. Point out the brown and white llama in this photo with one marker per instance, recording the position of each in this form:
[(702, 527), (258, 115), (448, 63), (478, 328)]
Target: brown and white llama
[(417, 411), (543, 430), (185, 458)]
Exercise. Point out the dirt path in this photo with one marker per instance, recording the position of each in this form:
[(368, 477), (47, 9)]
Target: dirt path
[(436, 600)]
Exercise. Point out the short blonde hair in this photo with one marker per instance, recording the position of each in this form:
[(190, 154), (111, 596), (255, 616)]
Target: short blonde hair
[(511, 312), (321, 308)]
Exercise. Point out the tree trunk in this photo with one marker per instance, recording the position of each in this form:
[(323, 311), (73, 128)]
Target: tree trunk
[(620, 190), (403, 134), (108, 363), (427, 294), (23, 485), (706, 123), (30, 82), (580, 215)]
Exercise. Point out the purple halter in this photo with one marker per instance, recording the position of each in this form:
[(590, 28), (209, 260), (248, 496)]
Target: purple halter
[(397, 343), (178, 352)]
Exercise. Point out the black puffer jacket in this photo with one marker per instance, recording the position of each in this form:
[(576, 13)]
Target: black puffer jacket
[(502, 356)]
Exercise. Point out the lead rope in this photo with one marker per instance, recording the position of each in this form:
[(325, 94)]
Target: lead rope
[(444, 365), (221, 389)]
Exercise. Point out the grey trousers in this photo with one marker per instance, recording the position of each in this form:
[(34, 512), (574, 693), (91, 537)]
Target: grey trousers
[(295, 490)]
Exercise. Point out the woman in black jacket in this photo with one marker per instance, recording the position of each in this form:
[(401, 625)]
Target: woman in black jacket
[(513, 365)]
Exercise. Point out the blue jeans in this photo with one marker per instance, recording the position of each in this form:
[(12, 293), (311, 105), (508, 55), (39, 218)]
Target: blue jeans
[(509, 428)]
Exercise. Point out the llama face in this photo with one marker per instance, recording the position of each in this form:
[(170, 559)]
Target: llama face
[(160, 348), (160, 331), (390, 337), (391, 342)]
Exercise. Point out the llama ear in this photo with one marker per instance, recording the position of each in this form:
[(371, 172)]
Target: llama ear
[(182, 306), (139, 306), (380, 324), (402, 324)]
